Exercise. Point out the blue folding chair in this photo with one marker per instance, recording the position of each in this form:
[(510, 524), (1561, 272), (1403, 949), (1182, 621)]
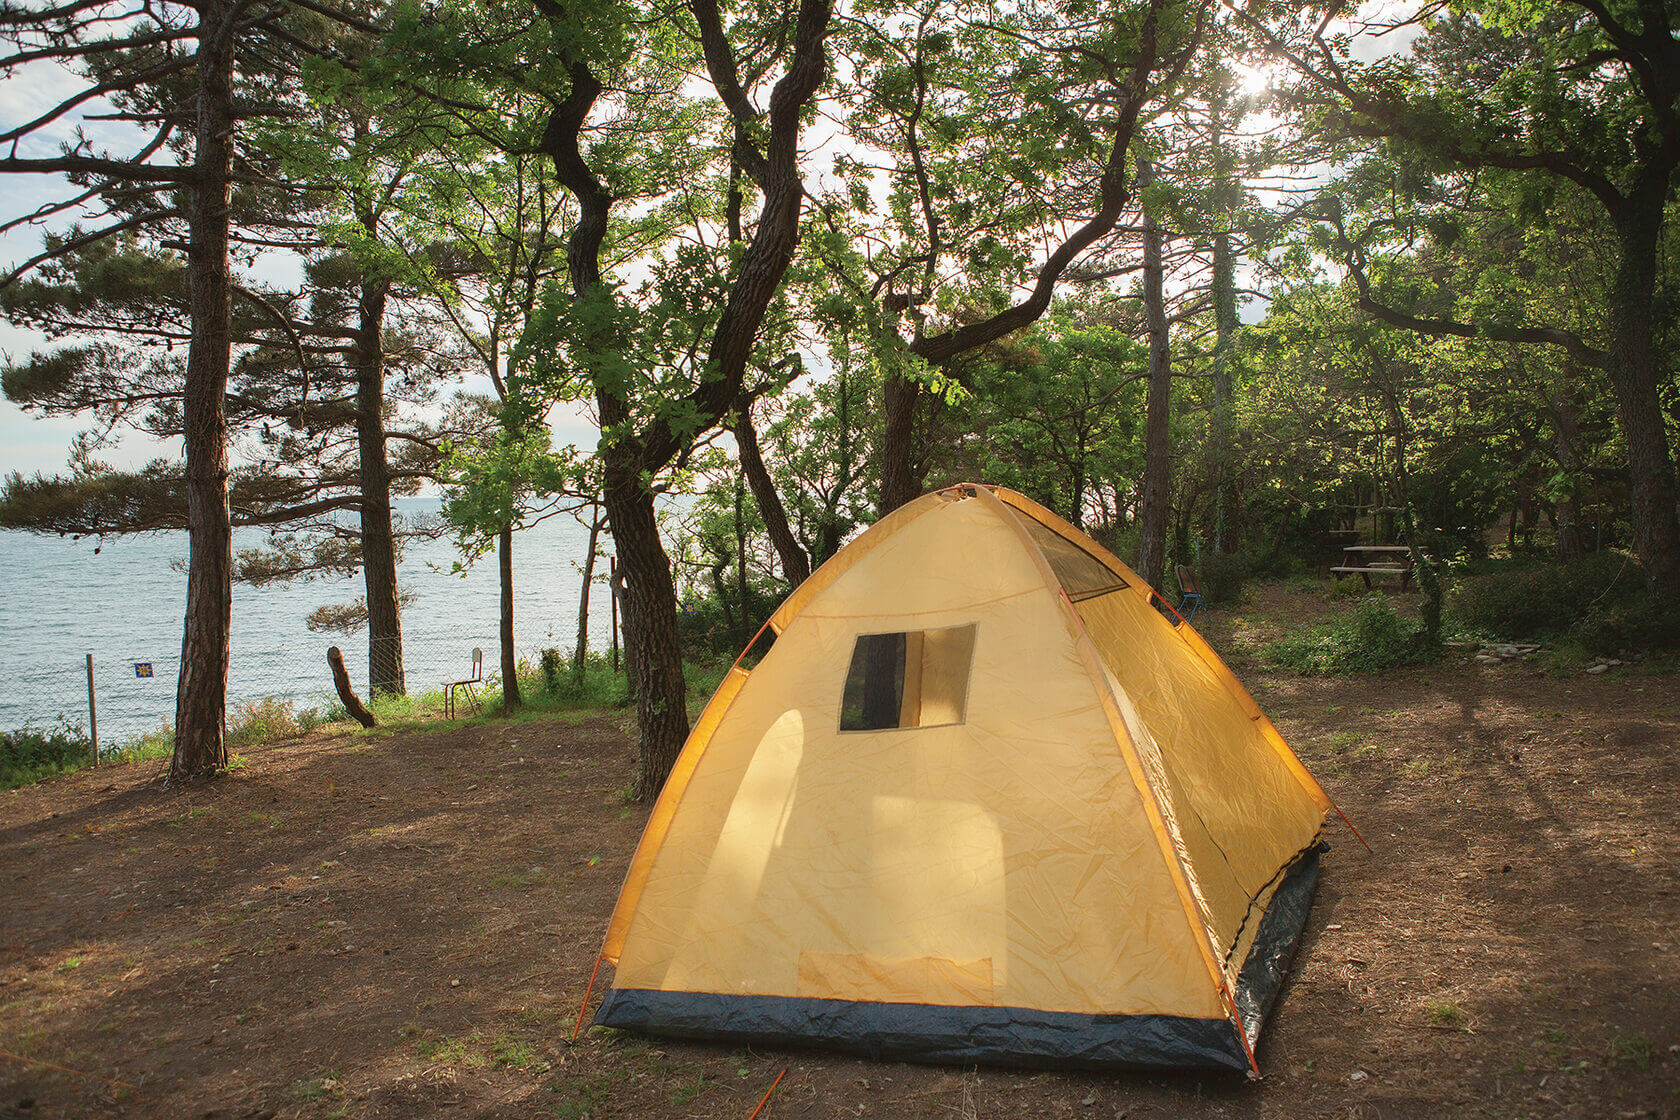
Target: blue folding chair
[(1190, 594)]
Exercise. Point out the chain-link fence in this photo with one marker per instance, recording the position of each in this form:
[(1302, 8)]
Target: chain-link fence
[(134, 687)]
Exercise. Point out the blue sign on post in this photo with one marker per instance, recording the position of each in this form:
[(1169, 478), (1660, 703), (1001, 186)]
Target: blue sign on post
[(142, 668)]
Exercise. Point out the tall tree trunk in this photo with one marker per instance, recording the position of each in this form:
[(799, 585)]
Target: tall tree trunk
[(1157, 459), (580, 654), (379, 552), (650, 600), (201, 691), (796, 566), (510, 667), (1633, 375), (899, 479)]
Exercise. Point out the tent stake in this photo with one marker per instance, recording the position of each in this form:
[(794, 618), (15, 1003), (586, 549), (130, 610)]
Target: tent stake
[(577, 1030), (1349, 823), (1242, 1032), (766, 1098)]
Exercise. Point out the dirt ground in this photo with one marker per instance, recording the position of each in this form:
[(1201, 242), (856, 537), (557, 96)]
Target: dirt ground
[(404, 926)]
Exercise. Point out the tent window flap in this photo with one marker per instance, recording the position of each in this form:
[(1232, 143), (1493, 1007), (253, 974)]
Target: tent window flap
[(917, 678)]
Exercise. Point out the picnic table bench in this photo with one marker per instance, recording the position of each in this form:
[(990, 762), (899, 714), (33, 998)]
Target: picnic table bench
[(1369, 560)]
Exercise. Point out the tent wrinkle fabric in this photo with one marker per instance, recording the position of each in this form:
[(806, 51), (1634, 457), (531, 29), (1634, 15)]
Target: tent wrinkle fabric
[(978, 802)]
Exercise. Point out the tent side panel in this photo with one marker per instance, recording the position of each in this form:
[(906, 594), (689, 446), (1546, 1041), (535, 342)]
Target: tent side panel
[(1274, 946), (933, 1034), (1251, 816), (659, 821), (1186, 633)]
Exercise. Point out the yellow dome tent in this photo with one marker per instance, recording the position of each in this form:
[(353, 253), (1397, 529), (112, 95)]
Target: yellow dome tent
[(980, 801)]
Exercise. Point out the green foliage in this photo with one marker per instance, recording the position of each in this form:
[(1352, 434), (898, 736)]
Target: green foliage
[(714, 624), (30, 754), (1369, 640), (599, 686), (551, 663), (1222, 575), (253, 722), (1523, 601)]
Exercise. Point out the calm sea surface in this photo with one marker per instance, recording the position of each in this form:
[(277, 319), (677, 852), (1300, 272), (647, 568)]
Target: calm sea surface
[(59, 602)]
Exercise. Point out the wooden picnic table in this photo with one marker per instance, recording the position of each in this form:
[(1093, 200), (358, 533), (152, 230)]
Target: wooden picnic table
[(1369, 560)]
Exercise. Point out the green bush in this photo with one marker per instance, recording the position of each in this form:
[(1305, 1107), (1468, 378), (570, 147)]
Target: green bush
[(551, 663), (1610, 628), (253, 722), (710, 627), (1548, 598), (1369, 640), (601, 686), (30, 754), (1221, 576)]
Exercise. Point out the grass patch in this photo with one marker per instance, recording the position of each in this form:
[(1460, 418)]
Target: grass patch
[(1631, 1051), (1370, 639), (1448, 1015), (29, 754), (581, 1095)]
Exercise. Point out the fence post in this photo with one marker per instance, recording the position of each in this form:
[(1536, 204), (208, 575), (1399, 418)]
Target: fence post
[(93, 713)]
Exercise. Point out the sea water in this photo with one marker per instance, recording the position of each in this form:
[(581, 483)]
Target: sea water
[(60, 600)]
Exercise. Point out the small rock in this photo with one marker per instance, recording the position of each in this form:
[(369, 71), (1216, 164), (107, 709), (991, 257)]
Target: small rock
[(1508, 651), (1613, 661), (1088, 1101), (1596, 669), (454, 983), (1358, 1075), (1488, 659)]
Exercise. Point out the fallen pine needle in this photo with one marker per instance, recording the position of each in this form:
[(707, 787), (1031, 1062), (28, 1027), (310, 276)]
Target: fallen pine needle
[(67, 1069)]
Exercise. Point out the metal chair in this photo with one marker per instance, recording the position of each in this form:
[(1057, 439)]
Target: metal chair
[(466, 686), (1191, 595)]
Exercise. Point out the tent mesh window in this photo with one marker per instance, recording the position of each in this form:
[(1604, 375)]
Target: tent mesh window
[(917, 678), (1081, 575)]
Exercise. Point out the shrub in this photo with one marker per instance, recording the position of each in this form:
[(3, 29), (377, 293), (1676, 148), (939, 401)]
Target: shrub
[(1222, 575), (710, 628), (1610, 628), (551, 663), (258, 721), (1369, 640), (1546, 598), (30, 754)]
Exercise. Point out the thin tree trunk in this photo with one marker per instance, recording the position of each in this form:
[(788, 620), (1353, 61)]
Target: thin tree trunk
[(1566, 426), (1157, 463), (1225, 515), (796, 566), (201, 691), (580, 655), (742, 590), (379, 553), (510, 667), (1227, 200)]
